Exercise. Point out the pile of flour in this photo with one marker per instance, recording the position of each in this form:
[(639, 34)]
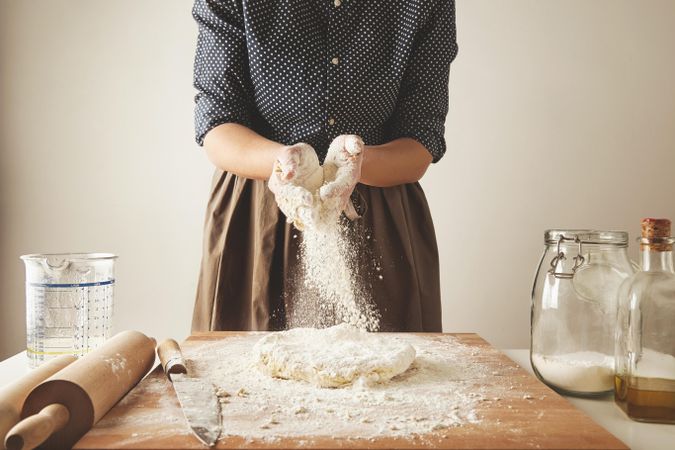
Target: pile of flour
[(579, 372), (333, 357)]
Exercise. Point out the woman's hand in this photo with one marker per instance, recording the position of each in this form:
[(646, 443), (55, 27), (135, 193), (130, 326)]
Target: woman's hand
[(285, 182), (343, 168)]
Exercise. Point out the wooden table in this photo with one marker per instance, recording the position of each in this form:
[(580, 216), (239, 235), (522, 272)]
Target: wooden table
[(637, 435), (542, 420)]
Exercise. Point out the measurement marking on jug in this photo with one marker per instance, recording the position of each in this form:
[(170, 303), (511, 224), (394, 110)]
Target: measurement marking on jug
[(72, 285)]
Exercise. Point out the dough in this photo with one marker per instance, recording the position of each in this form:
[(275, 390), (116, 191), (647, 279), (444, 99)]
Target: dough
[(333, 357)]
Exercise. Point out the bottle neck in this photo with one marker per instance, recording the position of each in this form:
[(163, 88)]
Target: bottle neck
[(656, 261)]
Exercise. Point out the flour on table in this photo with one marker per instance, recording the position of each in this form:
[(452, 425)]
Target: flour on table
[(440, 390), (451, 389), (333, 357)]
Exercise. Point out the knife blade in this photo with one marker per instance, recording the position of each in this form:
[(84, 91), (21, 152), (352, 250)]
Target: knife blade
[(197, 398)]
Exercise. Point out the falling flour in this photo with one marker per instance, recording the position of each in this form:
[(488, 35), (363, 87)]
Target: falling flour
[(329, 290), (329, 274), (578, 372)]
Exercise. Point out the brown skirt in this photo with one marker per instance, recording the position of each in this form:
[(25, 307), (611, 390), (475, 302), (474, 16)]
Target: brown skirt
[(250, 259)]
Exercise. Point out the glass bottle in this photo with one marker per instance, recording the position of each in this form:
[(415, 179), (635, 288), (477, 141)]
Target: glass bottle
[(645, 344), (574, 308)]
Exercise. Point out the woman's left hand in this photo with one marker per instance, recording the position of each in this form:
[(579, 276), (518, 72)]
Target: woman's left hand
[(344, 158)]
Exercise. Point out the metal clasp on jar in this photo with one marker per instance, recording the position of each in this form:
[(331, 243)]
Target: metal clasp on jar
[(560, 257)]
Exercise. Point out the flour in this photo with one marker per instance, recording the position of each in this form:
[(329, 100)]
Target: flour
[(329, 291), (653, 364), (333, 357), (451, 391), (578, 372), (301, 164), (438, 391), (329, 274), (118, 363)]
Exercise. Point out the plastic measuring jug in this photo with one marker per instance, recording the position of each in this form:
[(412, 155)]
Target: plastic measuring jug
[(69, 303)]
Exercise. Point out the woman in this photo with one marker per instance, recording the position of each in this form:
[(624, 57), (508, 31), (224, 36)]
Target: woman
[(271, 74)]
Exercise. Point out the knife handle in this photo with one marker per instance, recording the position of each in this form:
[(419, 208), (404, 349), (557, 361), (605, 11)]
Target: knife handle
[(171, 357)]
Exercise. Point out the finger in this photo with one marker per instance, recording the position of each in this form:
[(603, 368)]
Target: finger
[(335, 189), (273, 183), (277, 170), (335, 148), (352, 157), (285, 172), (329, 190), (350, 211), (292, 149), (353, 144), (288, 174), (307, 198)]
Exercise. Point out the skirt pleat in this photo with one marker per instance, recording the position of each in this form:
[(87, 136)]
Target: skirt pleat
[(250, 275)]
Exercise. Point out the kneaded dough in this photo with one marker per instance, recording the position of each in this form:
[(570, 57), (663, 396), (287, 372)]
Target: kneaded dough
[(333, 357)]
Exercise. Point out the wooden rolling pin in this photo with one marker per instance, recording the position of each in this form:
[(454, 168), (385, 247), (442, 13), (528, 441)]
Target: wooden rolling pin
[(13, 395), (59, 411)]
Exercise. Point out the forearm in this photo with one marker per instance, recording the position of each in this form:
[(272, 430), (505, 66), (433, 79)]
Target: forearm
[(400, 161), (239, 150)]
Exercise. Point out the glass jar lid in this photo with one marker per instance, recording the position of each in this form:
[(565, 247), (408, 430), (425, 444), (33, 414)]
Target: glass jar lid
[(555, 236)]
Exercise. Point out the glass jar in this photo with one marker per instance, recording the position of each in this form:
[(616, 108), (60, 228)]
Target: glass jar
[(645, 338), (574, 307)]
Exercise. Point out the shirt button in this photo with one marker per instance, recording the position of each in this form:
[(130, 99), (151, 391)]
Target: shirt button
[(335, 60), (337, 3), (331, 121)]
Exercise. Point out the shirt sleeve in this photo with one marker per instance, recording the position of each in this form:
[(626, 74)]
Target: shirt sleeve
[(221, 74), (422, 105)]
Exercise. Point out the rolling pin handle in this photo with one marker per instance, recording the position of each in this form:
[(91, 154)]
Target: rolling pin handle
[(34, 430), (171, 357)]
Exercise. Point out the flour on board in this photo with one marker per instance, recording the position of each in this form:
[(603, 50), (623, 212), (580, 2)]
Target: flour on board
[(333, 357), (451, 389)]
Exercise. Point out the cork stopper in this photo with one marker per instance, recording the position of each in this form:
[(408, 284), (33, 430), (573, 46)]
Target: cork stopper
[(658, 231)]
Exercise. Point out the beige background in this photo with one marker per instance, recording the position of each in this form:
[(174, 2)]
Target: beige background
[(562, 115)]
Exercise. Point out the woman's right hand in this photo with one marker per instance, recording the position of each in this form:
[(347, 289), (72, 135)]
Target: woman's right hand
[(287, 162), (288, 195)]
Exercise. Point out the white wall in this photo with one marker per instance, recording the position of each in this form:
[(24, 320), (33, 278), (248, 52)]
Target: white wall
[(562, 115)]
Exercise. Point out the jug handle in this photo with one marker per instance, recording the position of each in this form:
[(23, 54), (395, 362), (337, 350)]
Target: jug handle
[(55, 263)]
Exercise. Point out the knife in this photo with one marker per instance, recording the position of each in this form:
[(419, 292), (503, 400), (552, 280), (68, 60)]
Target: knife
[(197, 398)]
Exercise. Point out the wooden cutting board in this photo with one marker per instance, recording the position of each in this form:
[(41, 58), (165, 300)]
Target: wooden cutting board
[(150, 416)]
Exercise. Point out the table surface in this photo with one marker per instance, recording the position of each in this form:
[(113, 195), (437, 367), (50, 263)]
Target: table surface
[(637, 435)]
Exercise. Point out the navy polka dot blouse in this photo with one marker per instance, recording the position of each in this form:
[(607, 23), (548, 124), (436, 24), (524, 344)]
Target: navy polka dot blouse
[(310, 70)]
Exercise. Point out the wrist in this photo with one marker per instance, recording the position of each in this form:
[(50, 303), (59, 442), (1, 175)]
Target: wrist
[(367, 160)]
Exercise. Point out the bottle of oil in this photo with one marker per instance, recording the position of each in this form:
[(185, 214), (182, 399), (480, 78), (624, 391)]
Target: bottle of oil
[(645, 346)]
